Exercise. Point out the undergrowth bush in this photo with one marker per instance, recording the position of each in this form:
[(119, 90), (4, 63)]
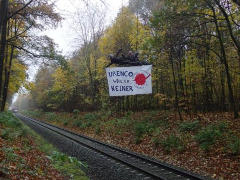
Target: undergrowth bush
[(8, 120), (65, 123), (140, 129), (128, 114), (163, 122), (90, 117), (122, 122), (156, 139), (172, 142), (234, 145), (104, 114), (98, 130), (10, 155), (76, 111), (189, 126), (33, 113), (209, 135), (51, 116), (77, 123), (109, 125), (5, 133), (12, 127), (83, 124), (86, 121)]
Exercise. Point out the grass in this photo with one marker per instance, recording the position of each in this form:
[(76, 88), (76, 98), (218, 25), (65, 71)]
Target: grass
[(13, 131), (68, 165)]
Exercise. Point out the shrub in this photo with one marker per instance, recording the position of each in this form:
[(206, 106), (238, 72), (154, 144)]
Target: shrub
[(8, 120), (138, 140), (90, 117), (87, 121), (13, 123), (10, 155), (24, 132), (85, 124), (10, 134), (77, 123), (98, 130), (13, 128), (154, 113), (51, 116), (189, 126), (5, 133), (234, 145), (65, 123), (88, 124), (140, 129), (34, 113), (209, 135), (129, 114), (105, 115), (109, 125), (163, 122), (76, 111), (156, 141), (172, 142), (123, 122)]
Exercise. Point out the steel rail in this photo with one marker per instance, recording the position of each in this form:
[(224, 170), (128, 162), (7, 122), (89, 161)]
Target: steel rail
[(175, 172)]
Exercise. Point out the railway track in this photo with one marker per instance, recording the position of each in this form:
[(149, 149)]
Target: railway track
[(150, 167)]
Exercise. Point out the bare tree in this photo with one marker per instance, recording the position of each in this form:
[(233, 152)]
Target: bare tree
[(89, 25)]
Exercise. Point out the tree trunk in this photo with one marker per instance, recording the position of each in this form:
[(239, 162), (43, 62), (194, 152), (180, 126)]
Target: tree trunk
[(3, 41), (224, 60), (175, 87), (229, 26), (223, 92), (7, 78)]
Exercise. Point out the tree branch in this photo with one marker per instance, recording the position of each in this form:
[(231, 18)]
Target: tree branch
[(17, 35), (237, 2), (16, 12)]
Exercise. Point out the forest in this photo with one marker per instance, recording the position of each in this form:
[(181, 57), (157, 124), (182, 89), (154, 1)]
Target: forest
[(190, 120), (20, 44), (194, 48)]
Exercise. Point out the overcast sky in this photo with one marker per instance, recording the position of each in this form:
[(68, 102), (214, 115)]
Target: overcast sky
[(64, 35)]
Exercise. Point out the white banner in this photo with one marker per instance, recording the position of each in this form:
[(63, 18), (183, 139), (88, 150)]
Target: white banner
[(124, 81)]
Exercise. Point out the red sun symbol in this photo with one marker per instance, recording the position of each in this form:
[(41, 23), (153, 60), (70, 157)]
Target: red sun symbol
[(140, 79)]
